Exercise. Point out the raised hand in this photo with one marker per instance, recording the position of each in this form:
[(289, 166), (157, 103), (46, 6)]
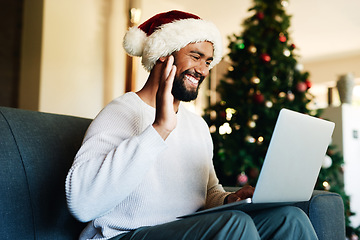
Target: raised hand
[(165, 118)]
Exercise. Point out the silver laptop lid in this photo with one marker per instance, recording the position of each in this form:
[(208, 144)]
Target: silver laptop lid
[(294, 157)]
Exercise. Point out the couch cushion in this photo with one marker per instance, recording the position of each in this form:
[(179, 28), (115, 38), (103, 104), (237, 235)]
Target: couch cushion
[(16, 212), (44, 145)]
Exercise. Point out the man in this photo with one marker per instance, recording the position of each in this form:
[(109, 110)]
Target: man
[(146, 160)]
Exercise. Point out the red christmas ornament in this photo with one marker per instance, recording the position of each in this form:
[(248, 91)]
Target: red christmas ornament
[(258, 97), (282, 38), (242, 179), (292, 46), (308, 83), (223, 114), (301, 87), (260, 15), (265, 57)]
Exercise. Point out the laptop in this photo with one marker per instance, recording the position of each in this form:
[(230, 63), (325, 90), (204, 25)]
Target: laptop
[(292, 163)]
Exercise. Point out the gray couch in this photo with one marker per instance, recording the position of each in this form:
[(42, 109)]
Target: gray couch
[(36, 151)]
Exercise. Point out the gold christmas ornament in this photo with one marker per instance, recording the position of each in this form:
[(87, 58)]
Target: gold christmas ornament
[(255, 80), (251, 124), (252, 49), (282, 94), (268, 104), (250, 139)]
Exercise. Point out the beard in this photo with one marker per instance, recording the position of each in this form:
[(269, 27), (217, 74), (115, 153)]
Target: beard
[(179, 90)]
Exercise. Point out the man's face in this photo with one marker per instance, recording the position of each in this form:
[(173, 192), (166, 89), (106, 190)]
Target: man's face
[(192, 66)]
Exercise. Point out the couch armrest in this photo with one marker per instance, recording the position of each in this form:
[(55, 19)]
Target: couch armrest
[(326, 213)]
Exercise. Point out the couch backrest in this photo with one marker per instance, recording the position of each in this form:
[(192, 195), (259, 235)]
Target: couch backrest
[(36, 152)]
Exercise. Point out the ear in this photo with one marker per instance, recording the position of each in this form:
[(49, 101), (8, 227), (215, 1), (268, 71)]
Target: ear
[(162, 59)]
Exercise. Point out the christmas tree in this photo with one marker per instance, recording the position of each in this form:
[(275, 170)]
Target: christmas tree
[(264, 77)]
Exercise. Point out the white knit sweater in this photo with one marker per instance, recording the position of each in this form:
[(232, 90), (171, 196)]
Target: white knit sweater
[(126, 176)]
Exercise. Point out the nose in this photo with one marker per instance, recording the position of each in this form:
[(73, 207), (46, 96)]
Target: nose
[(202, 68)]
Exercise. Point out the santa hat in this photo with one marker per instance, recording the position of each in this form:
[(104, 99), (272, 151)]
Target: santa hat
[(168, 32)]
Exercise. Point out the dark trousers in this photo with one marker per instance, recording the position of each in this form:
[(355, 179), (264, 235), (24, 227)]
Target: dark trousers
[(278, 223)]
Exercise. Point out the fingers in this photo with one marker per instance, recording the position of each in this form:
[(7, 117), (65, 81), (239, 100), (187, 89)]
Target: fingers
[(168, 75), (168, 66), (165, 117), (233, 198), (170, 79), (245, 192)]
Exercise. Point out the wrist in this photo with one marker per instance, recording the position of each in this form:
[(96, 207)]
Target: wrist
[(226, 199)]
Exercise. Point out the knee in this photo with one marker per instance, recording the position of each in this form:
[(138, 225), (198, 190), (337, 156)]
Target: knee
[(240, 224), (298, 222), (296, 218), (236, 216), (294, 214)]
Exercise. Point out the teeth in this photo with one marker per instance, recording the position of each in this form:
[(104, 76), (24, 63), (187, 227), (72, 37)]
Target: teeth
[(191, 79)]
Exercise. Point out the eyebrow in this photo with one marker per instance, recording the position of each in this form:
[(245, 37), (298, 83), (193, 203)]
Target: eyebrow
[(202, 55)]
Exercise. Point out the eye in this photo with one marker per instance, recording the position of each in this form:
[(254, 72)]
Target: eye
[(195, 56)]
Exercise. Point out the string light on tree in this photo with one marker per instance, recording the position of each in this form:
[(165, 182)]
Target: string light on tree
[(225, 129), (326, 185), (229, 113)]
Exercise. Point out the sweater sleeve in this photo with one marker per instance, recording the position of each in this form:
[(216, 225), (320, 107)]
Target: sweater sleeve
[(115, 153), (215, 192)]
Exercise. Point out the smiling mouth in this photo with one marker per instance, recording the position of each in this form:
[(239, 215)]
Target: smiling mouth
[(191, 79)]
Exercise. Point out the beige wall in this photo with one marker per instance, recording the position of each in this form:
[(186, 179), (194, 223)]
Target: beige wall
[(327, 70), (81, 62)]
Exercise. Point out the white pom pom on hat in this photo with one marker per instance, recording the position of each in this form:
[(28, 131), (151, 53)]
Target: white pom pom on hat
[(168, 32)]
